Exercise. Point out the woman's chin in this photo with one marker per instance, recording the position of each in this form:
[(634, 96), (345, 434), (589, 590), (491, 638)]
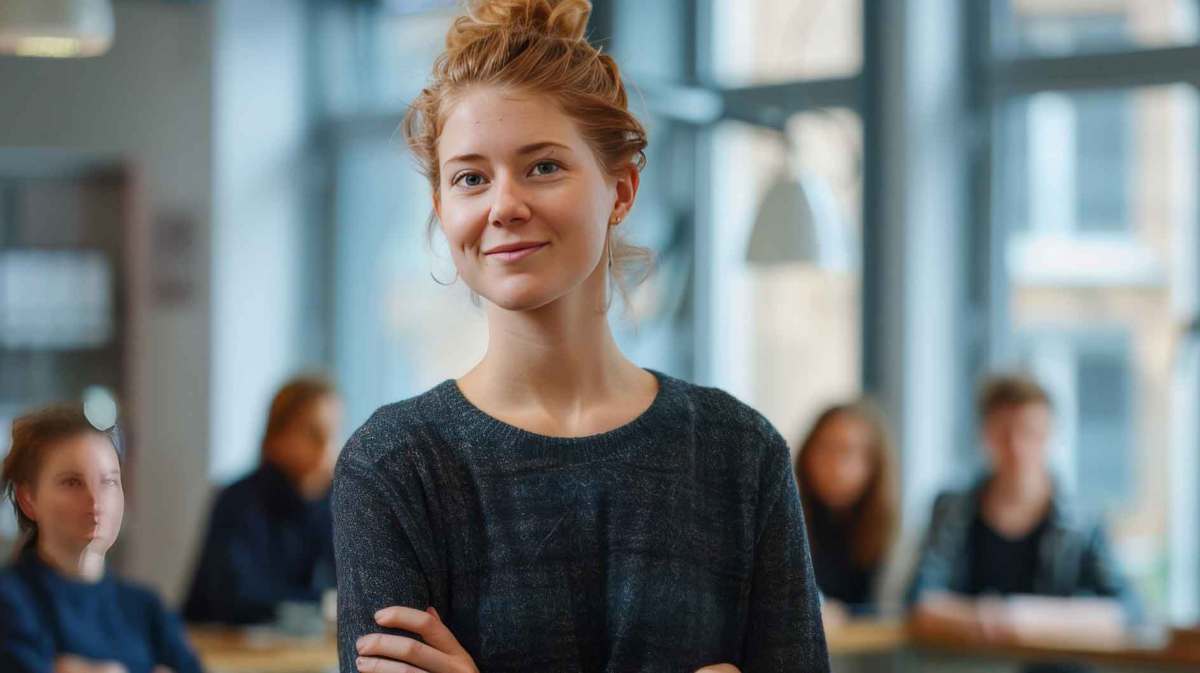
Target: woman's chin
[(519, 297)]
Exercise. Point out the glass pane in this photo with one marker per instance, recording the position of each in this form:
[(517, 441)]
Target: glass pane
[(1068, 162), (758, 41), (1097, 194), (785, 336), (1049, 27)]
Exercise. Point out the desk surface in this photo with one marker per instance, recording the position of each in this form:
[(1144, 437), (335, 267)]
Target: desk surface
[(237, 651), (871, 636)]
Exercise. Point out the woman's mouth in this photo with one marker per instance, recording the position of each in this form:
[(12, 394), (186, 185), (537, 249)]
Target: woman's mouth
[(513, 253)]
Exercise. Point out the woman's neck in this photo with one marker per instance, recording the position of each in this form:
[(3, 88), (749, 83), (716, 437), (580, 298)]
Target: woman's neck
[(82, 565), (558, 361)]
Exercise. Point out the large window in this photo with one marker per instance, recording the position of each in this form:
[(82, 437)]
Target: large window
[(1095, 197), (760, 41), (785, 336), (1054, 27)]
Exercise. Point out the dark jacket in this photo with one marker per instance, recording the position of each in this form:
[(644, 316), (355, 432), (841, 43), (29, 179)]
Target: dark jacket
[(1074, 556), (265, 545)]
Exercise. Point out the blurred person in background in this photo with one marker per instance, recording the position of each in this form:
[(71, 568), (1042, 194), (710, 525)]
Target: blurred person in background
[(846, 472), (270, 536), (61, 610), (1015, 535)]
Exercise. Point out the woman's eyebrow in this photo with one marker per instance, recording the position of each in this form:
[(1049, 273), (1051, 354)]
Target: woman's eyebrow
[(521, 151)]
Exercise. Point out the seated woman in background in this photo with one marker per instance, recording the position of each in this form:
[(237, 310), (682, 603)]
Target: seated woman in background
[(846, 472), (60, 610), (1012, 534), (270, 537)]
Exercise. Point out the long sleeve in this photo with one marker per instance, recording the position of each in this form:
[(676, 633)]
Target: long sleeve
[(171, 647), (1101, 575), (941, 551), (784, 630), (24, 646), (233, 582), (378, 565)]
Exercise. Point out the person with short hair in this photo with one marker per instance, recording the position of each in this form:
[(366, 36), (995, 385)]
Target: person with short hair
[(1014, 533)]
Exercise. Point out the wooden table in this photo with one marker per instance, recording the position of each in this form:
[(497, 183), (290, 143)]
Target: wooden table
[(882, 636), (223, 650), (866, 636)]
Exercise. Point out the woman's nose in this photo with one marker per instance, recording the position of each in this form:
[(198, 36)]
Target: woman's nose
[(93, 501), (509, 205)]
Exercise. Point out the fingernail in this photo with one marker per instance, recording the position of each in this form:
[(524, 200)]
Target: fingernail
[(359, 644), (378, 615), (434, 612), (360, 662)]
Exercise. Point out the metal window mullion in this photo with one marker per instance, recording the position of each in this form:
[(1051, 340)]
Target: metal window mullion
[(1013, 77)]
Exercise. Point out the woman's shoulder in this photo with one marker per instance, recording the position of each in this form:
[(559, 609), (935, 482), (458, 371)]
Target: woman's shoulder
[(14, 587), (718, 411), (395, 427)]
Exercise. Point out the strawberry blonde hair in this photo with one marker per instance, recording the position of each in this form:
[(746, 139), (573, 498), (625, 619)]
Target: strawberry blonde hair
[(535, 47)]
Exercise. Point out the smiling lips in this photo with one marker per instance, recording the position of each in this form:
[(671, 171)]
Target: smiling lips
[(514, 251)]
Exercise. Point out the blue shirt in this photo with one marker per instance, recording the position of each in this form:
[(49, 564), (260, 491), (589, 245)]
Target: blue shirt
[(266, 544), (44, 614)]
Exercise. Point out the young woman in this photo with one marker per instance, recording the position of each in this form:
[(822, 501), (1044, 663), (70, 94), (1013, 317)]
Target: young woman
[(59, 609), (846, 471), (270, 537), (557, 507)]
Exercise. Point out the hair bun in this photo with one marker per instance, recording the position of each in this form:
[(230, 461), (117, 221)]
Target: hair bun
[(565, 19)]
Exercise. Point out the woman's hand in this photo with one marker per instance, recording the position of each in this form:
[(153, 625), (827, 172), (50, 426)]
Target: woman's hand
[(440, 653), (719, 668)]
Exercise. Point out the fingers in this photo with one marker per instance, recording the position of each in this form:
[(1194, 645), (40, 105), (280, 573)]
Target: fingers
[(399, 649), (373, 665), (719, 668), (426, 624)]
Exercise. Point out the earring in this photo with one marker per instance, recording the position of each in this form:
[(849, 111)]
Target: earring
[(435, 279)]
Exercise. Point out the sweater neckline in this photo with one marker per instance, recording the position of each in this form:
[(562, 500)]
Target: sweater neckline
[(482, 422), (71, 585)]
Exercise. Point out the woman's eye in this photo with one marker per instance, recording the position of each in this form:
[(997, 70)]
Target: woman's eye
[(545, 168), (111, 482), (72, 482), (470, 179)]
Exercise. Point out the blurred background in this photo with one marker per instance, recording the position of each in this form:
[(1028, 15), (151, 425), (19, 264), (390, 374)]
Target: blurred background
[(846, 196)]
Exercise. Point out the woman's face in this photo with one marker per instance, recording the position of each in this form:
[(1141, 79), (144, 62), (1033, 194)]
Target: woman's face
[(1016, 438), (523, 201), (308, 444), (839, 461), (77, 499)]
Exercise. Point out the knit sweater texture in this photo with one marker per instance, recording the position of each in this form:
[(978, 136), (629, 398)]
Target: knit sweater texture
[(674, 541)]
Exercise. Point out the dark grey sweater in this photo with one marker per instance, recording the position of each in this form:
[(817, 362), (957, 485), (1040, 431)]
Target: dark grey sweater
[(669, 543)]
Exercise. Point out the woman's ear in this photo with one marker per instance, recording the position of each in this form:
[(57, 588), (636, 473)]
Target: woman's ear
[(626, 188), (25, 501)]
